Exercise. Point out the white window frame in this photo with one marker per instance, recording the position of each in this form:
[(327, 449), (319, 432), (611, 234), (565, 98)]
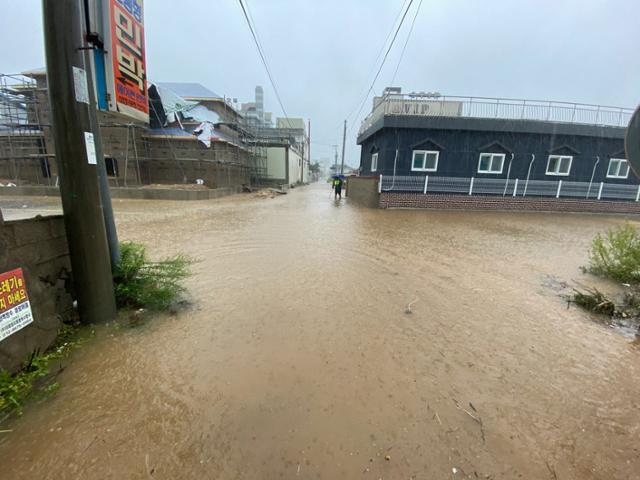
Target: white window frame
[(620, 161), (425, 152), (374, 162), (493, 155), (559, 174)]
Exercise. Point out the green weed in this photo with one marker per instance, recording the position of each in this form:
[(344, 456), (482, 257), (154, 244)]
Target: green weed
[(140, 283), (616, 255), (31, 381)]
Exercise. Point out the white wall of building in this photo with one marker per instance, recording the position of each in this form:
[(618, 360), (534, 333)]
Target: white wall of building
[(295, 166), (277, 162)]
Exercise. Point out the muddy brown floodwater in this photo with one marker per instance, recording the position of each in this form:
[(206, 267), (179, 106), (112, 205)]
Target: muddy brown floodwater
[(298, 359)]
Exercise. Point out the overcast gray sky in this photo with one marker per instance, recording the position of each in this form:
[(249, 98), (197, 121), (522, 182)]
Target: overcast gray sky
[(322, 53)]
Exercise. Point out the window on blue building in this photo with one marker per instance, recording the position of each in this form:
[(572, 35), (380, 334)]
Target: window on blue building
[(374, 162), (491, 163), (618, 168), (559, 165), (424, 161)]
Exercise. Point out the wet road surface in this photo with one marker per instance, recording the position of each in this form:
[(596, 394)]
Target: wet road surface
[(298, 358)]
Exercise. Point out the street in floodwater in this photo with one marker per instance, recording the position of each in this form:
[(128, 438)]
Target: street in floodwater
[(331, 341)]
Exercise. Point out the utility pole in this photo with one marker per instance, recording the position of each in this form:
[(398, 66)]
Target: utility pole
[(309, 149), (77, 160), (105, 194), (335, 148), (344, 139)]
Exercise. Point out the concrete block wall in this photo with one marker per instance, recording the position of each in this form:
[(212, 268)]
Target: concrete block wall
[(122, 143), (39, 247), (363, 191), (222, 165), (487, 202), (27, 170)]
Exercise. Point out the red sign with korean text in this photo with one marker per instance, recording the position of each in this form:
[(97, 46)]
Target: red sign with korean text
[(127, 52), (15, 309)]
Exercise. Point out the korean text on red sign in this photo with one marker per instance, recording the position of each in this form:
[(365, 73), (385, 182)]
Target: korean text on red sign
[(15, 309)]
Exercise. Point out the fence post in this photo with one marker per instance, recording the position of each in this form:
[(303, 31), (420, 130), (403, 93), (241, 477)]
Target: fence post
[(426, 183), (380, 184), (600, 190), (515, 187), (638, 194), (471, 186), (559, 187)]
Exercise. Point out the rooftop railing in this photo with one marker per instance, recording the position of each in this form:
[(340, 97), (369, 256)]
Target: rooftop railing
[(501, 108)]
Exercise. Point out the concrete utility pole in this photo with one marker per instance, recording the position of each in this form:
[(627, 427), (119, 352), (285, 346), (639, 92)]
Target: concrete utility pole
[(309, 148), (76, 159), (344, 140)]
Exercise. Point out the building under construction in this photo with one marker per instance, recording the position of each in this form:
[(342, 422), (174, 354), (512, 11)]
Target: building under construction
[(194, 136)]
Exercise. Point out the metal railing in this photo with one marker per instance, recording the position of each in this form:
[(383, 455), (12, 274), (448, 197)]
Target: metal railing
[(503, 108), (513, 187)]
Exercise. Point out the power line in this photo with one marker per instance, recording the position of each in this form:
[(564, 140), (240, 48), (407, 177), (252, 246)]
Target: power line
[(384, 59), (380, 52), (264, 60), (404, 47)]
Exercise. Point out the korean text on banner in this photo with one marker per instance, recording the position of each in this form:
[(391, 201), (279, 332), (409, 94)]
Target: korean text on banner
[(129, 64), (15, 309)]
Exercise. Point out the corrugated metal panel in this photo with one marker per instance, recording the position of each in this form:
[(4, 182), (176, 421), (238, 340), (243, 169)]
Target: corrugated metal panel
[(189, 89)]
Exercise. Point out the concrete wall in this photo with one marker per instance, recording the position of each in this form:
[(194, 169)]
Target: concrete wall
[(39, 247), (30, 164), (276, 162), (171, 161), (363, 191), (144, 193), (295, 166), (285, 159)]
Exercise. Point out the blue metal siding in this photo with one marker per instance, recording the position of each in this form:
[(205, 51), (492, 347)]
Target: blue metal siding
[(461, 151)]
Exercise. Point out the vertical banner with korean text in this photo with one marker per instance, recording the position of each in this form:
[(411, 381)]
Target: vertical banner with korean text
[(127, 52), (15, 309)]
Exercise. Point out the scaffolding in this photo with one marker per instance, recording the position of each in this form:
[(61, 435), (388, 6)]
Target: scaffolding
[(22, 134)]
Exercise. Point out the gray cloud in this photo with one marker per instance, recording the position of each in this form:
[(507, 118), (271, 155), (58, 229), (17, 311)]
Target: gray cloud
[(321, 52)]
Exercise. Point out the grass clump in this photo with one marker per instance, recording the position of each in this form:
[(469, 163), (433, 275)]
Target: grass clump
[(140, 283), (594, 301), (34, 380), (616, 254)]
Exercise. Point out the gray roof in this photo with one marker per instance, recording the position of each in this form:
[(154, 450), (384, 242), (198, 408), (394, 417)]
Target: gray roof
[(189, 90)]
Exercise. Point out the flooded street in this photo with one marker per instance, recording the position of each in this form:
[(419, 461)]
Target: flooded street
[(328, 341)]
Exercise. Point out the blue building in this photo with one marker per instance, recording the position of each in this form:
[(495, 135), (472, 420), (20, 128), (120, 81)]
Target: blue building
[(434, 144)]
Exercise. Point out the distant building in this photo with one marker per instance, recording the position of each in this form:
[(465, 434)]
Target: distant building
[(434, 144), (254, 111), (287, 152)]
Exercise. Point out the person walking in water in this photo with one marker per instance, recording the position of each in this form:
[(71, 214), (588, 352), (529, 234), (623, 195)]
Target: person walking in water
[(337, 188)]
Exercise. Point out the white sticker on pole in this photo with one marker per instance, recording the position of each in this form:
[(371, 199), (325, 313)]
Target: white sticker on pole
[(80, 85), (90, 145)]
